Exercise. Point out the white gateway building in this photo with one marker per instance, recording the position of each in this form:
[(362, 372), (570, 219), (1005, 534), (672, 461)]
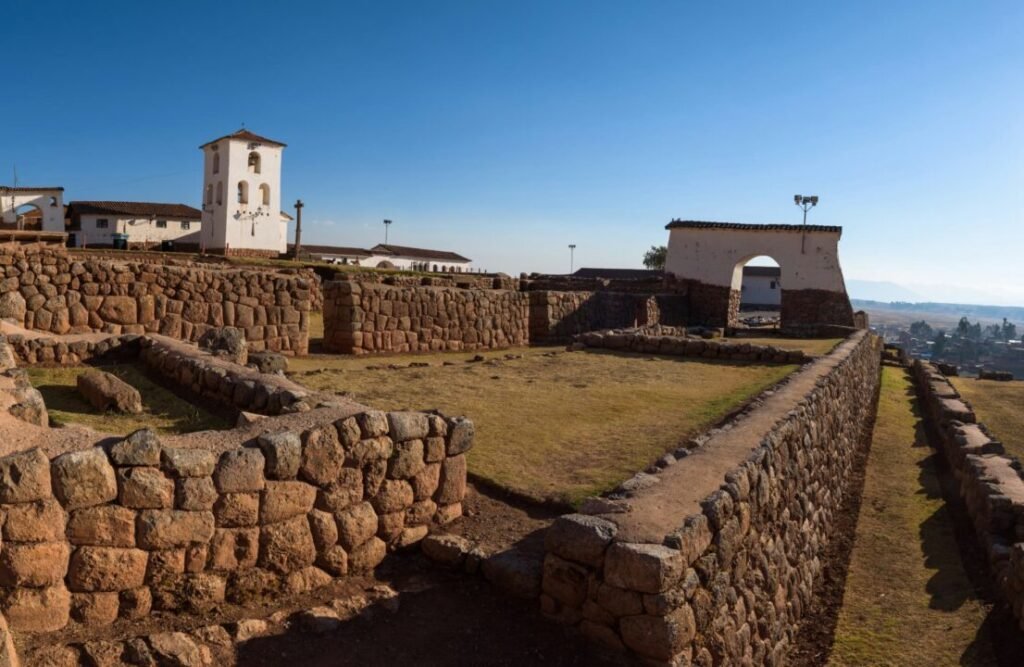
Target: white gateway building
[(242, 196)]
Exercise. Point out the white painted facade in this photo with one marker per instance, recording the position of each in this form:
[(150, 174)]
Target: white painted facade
[(98, 229), (761, 290), (715, 255), (242, 201), (49, 201), (418, 263)]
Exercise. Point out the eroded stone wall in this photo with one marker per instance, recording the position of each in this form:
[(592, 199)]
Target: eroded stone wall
[(729, 584), (43, 288), (680, 345)]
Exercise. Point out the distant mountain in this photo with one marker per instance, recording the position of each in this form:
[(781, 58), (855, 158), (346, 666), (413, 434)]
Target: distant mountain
[(880, 290), (956, 310)]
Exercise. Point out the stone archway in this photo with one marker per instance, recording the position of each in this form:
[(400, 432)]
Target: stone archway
[(40, 209), (707, 259)]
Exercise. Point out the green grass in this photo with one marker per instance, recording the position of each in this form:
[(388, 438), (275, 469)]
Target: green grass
[(559, 427), (811, 346), (908, 599), (998, 406), (162, 410)]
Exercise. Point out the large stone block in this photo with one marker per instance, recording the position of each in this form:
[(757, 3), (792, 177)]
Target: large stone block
[(237, 510), (36, 564), (119, 310), (240, 470), (394, 495), (141, 448), (102, 525), (356, 525), (580, 538), (368, 555), (659, 637), (84, 478), (106, 569), (287, 546), (408, 426), (38, 609), (322, 456), (565, 581), (144, 487), (452, 486), (24, 477), (195, 493), (284, 499), (188, 462), (167, 529), (234, 548), (39, 521), (108, 393), (460, 436), (647, 568), (94, 608), (283, 453)]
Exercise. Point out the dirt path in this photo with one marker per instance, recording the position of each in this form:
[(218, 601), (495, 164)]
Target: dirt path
[(915, 592)]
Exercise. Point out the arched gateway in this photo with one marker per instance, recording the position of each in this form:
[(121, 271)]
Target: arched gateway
[(709, 258)]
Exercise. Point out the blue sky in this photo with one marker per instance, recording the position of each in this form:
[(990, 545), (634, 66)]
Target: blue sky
[(507, 130)]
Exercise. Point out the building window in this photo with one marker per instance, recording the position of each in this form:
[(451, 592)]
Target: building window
[(265, 194), (209, 193), (243, 192), (220, 193), (773, 285), (185, 224), (161, 224), (254, 162), (53, 201), (216, 162), (102, 223)]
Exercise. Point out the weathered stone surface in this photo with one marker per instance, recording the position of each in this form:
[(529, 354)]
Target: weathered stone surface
[(307, 579), (356, 525), (390, 526), (434, 450), (36, 564), (39, 521), (324, 529), (102, 525), (425, 483), (334, 560), (144, 487), (195, 493), (250, 628), (411, 535), (252, 584), (119, 310), (370, 450), (322, 456), (234, 548), (175, 648), (367, 556), (284, 499), (659, 637), (237, 510), (240, 470), (460, 436), (408, 426), (448, 550), (38, 609), (580, 538), (420, 513), (287, 546), (141, 448), (84, 478), (344, 493), (94, 608), (135, 602), (348, 431), (106, 569), (515, 572), (226, 342), (564, 581), (107, 392), (166, 529), (24, 477), (189, 462), (372, 423), (394, 495), (165, 563), (318, 620), (618, 601), (283, 453), (407, 460), (452, 487), (268, 362), (13, 307), (447, 513), (648, 568)]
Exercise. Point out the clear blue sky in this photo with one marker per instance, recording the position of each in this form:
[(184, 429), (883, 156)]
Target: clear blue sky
[(507, 130)]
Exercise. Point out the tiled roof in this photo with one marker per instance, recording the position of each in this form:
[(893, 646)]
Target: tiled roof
[(245, 135), (331, 250), (769, 271), (701, 224), (622, 274), (7, 188), (140, 209), (418, 253)]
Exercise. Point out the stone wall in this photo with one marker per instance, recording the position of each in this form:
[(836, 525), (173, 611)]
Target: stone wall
[(686, 346), (989, 481), (131, 526), (46, 289), (678, 571), (555, 317)]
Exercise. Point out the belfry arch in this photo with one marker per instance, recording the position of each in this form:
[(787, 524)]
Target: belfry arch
[(707, 258)]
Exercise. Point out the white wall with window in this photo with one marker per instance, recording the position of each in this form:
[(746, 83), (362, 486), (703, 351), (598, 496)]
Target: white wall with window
[(100, 230)]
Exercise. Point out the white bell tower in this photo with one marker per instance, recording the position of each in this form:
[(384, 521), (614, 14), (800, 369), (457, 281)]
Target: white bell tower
[(242, 196)]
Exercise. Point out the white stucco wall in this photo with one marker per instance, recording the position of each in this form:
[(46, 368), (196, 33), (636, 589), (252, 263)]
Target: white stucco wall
[(409, 263), (52, 209), (139, 230), (759, 290), (716, 256), (254, 225)]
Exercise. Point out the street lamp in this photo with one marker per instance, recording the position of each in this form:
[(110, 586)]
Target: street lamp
[(806, 202), (572, 252), (387, 223)]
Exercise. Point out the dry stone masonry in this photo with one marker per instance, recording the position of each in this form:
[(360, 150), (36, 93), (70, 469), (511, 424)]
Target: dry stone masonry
[(680, 345)]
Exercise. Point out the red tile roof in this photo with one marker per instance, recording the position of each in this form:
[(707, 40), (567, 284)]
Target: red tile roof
[(139, 209), (246, 135), (701, 224), (331, 250), (418, 253)]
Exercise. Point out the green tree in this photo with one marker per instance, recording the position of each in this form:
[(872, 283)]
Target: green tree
[(655, 257), (921, 329), (1009, 330), (940, 344)]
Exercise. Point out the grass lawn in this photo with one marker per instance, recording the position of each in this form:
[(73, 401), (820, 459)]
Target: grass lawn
[(998, 406), (162, 410), (908, 599), (558, 427)]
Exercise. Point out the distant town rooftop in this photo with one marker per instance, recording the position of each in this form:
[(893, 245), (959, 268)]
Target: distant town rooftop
[(418, 253), (140, 209), (704, 224)]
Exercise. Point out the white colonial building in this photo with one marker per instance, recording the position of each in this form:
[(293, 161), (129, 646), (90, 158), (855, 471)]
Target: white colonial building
[(32, 208), (383, 256), (133, 225), (242, 196)]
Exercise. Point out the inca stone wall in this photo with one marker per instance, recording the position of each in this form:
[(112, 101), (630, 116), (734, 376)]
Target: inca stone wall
[(46, 289), (989, 481), (679, 345), (117, 530), (555, 317), (727, 581)]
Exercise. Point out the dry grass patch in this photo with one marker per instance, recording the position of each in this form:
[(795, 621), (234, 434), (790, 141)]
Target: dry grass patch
[(162, 410), (811, 346), (552, 425), (998, 406), (908, 598)]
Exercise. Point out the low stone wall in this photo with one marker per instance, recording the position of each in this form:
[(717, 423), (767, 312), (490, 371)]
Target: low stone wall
[(678, 571), (684, 346), (555, 317), (989, 481), (119, 529), (43, 288)]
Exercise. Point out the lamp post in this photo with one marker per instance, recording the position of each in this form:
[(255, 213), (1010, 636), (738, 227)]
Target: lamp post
[(298, 227), (387, 224), (806, 202), (572, 252)]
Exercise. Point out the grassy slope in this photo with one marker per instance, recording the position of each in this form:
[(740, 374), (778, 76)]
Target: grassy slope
[(554, 427), (162, 410), (908, 600), (998, 406)]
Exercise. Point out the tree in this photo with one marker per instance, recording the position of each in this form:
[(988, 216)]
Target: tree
[(1009, 330), (655, 257), (940, 344), (921, 329)]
